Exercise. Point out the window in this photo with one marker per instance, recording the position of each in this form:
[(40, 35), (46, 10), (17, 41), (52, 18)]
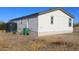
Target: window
[(51, 19), (70, 22), (21, 21)]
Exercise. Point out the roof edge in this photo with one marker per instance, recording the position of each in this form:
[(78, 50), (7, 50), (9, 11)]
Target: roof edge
[(23, 17), (44, 12), (55, 9)]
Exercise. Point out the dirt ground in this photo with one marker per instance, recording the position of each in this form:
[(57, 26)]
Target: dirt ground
[(15, 42)]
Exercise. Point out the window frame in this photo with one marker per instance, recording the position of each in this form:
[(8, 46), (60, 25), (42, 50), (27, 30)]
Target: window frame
[(70, 22), (51, 19)]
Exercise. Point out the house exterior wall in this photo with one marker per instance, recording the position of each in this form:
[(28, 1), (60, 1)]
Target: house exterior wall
[(21, 24), (33, 26), (40, 25), (31, 23), (60, 23)]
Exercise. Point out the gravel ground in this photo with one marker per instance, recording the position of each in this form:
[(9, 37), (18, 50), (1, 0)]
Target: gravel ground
[(15, 42)]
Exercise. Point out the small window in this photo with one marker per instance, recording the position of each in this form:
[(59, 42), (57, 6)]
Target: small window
[(51, 19), (21, 21), (70, 22)]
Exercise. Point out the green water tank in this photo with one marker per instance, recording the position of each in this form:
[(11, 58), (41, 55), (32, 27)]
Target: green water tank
[(26, 31)]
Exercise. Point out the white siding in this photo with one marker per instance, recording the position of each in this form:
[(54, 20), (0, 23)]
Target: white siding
[(60, 22), (33, 23), (41, 25), (30, 23), (21, 24)]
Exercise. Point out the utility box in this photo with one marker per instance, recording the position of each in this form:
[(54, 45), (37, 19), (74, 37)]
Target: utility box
[(26, 31)]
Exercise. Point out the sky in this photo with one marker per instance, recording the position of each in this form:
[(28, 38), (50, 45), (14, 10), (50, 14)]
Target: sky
[(8, 13)]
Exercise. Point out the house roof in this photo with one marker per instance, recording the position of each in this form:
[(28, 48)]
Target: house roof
[(44, 12)]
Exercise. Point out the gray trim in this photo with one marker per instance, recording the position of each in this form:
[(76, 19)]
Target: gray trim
[(37, 25), (28, 22)]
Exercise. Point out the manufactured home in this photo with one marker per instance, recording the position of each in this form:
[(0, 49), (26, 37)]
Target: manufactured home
[(50, 22)]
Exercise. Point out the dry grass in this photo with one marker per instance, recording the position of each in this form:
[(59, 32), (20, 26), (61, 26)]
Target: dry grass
[(14, 42)]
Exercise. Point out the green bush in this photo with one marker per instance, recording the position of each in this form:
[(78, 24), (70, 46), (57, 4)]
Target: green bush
[(2, 26)]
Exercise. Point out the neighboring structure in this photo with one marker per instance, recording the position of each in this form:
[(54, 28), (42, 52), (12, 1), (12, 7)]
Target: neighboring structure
[(53, 21)]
